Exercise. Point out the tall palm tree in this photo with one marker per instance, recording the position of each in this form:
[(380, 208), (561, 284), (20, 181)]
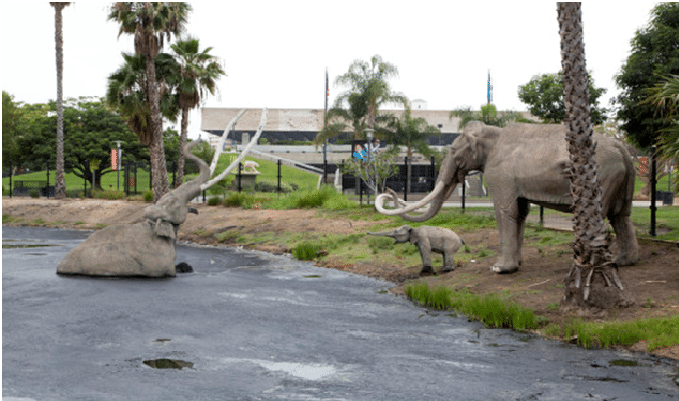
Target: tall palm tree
[(590, 243), (60, 183), (127, 94), (199, 72), (151, 24), (369, 81)]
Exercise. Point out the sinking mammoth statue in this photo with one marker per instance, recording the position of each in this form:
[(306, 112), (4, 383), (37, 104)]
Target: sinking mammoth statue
[(143, 249), (524, 164)]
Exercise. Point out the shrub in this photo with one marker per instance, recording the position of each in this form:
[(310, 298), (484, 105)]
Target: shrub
[(213, 201), (34, 193), (110, 195), (236, 199), (306, 251), (148, 196)]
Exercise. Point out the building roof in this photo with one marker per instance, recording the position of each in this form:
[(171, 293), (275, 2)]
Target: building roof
[(216, 119)]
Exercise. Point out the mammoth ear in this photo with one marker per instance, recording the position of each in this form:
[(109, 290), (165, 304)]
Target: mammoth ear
[(472, 131)]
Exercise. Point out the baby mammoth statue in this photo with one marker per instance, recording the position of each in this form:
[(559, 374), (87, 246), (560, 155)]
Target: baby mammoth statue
[(428, 239)]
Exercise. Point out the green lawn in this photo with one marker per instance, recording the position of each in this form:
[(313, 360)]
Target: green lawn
[(109, 181)]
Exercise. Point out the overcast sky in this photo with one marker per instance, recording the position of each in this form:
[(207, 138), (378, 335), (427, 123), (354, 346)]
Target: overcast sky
[(275, 53)]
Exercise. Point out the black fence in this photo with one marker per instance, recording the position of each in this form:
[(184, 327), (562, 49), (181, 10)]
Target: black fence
[(422, 179)]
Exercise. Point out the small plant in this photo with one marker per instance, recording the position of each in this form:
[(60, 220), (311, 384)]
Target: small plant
[(34, 193), (213, 201), (306, 251), (38, 221), (648, 303), (148, 196), (553, 306), (227, 235), (238, 199)]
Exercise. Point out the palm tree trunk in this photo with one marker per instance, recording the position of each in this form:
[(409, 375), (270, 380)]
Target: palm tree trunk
[(156, 148), (60, 184), (182, 142), (591, 239)]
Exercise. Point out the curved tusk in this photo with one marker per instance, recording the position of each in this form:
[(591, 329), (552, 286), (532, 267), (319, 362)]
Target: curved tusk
[(398, 203)]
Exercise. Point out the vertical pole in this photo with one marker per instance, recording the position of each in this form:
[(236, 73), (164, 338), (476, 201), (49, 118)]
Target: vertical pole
[(280, 164), (433, 173), (238, 178), (360, 190), (406, 183), (464, 192), (47, 186), (542, 215), (10, 179), (653, 175), (135, 178), (87, 169)]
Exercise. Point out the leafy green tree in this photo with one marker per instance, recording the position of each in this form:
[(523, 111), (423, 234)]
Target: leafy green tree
[(654, 54), (90, 132), (60, 184), (12, 119), (199, 72), (151, 24), (373, 172), (368, 90), (544, 96), (411, 133), (488, 115)]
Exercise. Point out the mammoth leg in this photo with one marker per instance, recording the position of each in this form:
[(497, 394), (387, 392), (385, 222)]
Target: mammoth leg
[(511, 223), (628, 249)]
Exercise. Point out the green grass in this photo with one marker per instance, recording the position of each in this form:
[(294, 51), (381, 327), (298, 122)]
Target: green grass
[(659, 332), (666, 217), (290, 177), (490, 308)]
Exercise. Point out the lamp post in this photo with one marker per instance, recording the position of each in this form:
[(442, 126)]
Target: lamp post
[(369, 134), (118, 161)]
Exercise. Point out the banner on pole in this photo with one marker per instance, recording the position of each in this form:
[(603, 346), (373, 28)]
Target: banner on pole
[(114, 159)]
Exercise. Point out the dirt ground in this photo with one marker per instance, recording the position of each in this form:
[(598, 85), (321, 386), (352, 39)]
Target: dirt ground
[(653, 283)]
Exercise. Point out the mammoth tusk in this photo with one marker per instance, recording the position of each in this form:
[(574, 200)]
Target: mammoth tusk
[(245, 151), (399, 204)]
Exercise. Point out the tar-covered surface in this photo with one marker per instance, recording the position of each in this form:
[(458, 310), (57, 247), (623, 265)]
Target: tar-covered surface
[(252, 326)]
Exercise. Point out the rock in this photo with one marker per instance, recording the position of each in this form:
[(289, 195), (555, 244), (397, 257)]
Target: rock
[(127, 250), (184, 268)]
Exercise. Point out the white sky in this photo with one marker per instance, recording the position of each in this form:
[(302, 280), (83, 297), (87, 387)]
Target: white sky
[(275, 52)]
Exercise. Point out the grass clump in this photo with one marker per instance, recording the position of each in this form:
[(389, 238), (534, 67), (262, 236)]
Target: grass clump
[(658, 332), (490, 309), (238, 199), (306, 251)]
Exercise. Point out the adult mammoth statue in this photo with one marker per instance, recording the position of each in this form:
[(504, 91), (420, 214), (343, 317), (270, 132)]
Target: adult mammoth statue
[(524, 164)]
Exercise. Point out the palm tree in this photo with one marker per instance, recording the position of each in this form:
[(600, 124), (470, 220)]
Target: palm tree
[(488, 115), (368, 85), (126, 92), (199, 72), (60, 183), (151, 24), (665, 97), (590, 243), (411, 133), (341, 120)]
